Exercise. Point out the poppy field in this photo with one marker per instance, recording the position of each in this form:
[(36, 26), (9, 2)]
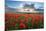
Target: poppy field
[(23, 21)]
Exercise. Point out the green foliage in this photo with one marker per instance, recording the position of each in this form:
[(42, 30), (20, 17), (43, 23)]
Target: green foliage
[(29, 19), (35, 25), (21, 17), (11, 28), (29, 22), (40, 25), (14, 27), (11, 20), (17, 25), (29, 25)]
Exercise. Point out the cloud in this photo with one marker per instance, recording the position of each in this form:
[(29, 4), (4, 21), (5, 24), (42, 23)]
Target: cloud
[(21, 5), (11, 7)]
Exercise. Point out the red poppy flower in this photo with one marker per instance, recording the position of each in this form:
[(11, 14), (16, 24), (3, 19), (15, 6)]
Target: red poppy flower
[(22, 25), (21, 21)]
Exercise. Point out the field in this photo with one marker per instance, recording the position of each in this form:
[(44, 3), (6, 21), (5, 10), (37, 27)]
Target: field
[(24, 21)]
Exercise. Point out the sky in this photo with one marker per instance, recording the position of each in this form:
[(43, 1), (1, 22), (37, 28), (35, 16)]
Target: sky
[(27, 0), (19, 4)]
